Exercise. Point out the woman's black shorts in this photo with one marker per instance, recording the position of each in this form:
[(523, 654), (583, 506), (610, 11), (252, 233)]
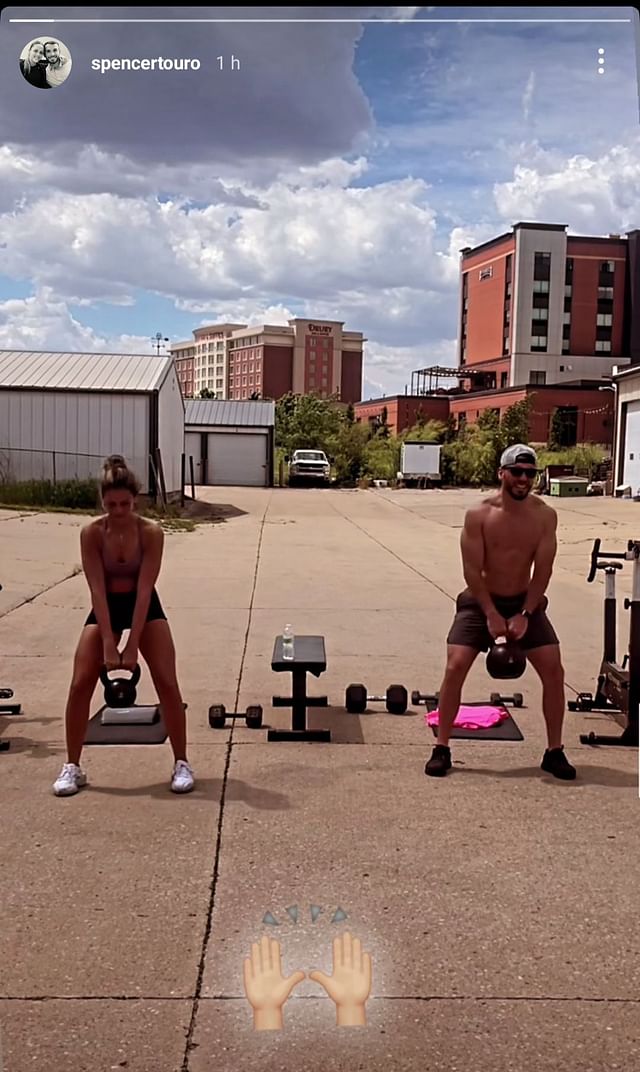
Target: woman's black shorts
[(121, 607)]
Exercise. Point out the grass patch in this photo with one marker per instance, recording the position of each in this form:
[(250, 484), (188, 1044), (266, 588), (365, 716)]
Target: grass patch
[(66, 494)]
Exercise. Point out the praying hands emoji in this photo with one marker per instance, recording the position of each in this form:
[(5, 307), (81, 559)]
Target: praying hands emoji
[(267, 990)]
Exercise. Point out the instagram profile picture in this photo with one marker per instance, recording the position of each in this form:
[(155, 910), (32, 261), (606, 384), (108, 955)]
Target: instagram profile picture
[(45, 62)]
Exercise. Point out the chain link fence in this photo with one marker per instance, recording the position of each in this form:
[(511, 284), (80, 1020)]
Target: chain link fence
[(19, 465)]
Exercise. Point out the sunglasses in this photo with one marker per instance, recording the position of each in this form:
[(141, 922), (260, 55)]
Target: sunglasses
[(518, 471)]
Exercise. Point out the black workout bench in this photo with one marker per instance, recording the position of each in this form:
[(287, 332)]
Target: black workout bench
[(309, 657)]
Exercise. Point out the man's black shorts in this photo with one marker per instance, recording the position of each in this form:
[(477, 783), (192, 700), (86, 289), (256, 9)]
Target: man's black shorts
[(469, 626), (121, 607)]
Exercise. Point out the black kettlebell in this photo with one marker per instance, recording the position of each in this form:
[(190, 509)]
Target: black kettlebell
[(505, 660), (120, 691)]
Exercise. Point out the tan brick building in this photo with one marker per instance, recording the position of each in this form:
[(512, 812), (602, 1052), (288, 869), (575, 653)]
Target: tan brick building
[(238, 361)]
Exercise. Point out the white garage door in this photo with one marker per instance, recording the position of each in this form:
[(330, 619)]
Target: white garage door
[(192, 447), (237, 459), (631, 467)]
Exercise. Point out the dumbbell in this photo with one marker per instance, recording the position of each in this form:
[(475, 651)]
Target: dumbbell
[(218, 716), (356, 699), (496, 698), (120, 691), (418, 698)]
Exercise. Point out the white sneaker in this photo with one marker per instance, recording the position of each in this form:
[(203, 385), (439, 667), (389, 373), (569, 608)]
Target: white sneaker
[(70, 780), (182, 779)]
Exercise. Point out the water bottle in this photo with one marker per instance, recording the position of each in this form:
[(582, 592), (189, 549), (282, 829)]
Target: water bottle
[(287, 642)]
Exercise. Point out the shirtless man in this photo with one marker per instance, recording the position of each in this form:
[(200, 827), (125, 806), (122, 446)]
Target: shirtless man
[(502, 538)]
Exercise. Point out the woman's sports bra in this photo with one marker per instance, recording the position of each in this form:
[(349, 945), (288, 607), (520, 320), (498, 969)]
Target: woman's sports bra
[(113, 568)]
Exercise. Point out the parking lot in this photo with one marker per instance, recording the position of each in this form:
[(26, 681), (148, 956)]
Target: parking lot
[(499, 906)]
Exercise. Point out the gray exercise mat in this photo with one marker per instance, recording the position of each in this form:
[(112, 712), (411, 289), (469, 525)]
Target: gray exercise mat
[(99, 734)]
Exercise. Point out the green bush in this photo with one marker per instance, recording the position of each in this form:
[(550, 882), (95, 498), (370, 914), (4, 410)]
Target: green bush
[(306, 422), (348, 448), (431, 432), (471, 459), (382, 458), (73, 494), (514, 427), (586, 458)]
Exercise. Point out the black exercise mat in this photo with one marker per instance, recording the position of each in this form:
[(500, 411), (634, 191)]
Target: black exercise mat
[(507, 730), (99, 734)]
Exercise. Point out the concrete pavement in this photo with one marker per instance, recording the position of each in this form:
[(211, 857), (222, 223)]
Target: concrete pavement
[(499, 906)]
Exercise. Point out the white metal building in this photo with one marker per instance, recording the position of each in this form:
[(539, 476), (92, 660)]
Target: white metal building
[(62, 414), (230, 442), (627, 447)]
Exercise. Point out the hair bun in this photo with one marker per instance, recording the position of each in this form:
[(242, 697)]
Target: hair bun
[(116, 475)]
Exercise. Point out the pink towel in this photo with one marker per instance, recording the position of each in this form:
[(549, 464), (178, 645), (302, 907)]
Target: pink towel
[(472, 718)]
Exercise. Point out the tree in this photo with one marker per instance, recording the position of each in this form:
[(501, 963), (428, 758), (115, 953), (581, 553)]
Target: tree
[(556, 430), (305, 421), (489, 421), (383, 427), (515, 423), (206, 392), (348, 448), (429, 432), (450, 429)]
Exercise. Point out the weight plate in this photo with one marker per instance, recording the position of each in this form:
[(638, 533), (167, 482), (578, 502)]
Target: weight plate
[(356, 699)]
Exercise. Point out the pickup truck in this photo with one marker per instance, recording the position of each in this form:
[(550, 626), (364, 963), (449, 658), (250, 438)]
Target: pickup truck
[(309, 465)]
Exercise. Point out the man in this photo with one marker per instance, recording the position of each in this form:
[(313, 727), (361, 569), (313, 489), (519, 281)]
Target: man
[(502, 538), (58, 67)]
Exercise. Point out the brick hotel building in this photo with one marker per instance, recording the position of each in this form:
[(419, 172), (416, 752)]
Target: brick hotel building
[(237, 361), (541, 314), (538, 306)]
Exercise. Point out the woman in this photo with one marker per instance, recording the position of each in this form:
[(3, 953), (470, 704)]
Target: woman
[(34, 66), (121, 558)]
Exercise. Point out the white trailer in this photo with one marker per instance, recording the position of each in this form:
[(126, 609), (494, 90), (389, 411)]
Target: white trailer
[(420, 464)]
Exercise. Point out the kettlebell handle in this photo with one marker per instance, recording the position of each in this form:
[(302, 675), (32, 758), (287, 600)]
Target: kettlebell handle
[(135, 675)]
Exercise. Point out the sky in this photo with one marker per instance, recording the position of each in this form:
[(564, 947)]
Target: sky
[(336, 174)]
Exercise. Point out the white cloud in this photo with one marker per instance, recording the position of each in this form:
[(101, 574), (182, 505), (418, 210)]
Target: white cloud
[(592, 196), (26, 175), (387, 369), (311, 240), (334, 172), (407, 12), (43, 322), (241, 312), (527, 97)]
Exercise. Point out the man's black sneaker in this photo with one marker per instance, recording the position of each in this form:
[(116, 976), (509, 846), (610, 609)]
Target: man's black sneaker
[(555, 762), (440, 761)]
